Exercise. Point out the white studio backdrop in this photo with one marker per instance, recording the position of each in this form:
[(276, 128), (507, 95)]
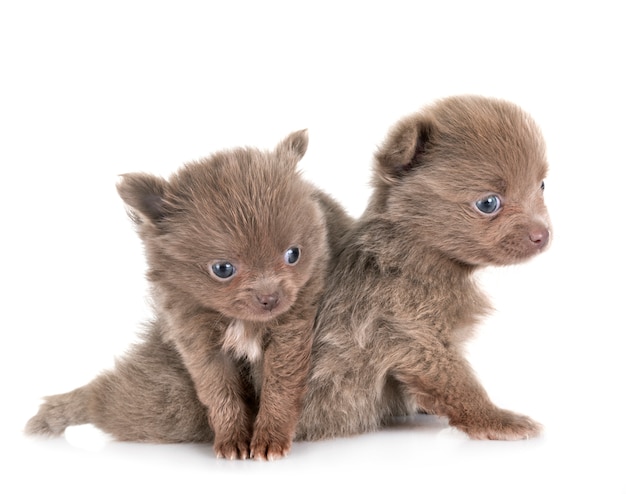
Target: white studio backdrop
[(90, 90)]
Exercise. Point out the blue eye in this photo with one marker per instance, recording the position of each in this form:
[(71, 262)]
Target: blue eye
[(489, 204), (223, 270), (292, 255)]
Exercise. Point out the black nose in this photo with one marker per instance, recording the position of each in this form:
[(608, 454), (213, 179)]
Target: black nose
[(268, 302), (539, 237)]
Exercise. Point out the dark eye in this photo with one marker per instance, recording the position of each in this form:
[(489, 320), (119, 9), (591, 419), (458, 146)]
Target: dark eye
[(292, 255), (489, 204), (223, 270), (543, 185)]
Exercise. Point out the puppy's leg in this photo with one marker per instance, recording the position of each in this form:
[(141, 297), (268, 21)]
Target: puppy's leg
[(285, 370), (444, 383), (220, 388)]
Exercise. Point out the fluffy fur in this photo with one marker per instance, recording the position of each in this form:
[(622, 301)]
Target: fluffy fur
[(401, 300), (237, 250), (457, 186)]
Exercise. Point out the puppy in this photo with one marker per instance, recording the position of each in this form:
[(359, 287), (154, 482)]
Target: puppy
[(237, 250), (457, 186)]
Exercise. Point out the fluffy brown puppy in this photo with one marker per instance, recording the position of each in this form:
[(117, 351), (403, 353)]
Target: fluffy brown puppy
[(237, 251), (457, 186)]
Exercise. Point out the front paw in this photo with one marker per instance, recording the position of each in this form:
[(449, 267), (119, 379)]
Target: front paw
[(266, 447), (232, 449), (500, 425)]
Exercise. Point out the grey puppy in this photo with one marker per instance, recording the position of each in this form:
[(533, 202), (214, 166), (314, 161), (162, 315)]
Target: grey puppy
[(457, 186), (237, 246)]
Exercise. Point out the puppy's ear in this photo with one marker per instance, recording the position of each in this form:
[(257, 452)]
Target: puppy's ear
[(404, 147), (146, 195), (295, 144)]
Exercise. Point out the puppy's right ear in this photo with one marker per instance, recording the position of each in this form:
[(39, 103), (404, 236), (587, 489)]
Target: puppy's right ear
[(404, 147), (146, 195)]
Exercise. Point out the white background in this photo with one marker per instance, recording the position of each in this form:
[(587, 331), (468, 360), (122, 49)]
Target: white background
[(89, 90)]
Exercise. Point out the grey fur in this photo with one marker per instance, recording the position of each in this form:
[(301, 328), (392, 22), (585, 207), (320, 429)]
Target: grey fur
[(401, 299), (239, 344)]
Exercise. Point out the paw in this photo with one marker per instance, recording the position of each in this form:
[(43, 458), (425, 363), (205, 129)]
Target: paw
[(266, 448), (232, 449), (500, 425)]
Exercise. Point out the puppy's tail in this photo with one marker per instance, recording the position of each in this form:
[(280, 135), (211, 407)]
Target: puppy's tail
[(58, 412)]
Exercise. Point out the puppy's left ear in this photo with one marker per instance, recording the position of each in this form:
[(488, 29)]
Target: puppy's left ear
[(404, 147), (295, 144)]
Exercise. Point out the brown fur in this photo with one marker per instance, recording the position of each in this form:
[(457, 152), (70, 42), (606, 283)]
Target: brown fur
[(392, 324), (241, 344), (401, 300)]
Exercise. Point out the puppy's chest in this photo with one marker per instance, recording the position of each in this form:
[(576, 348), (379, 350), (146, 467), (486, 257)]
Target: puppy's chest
[(244, 341)]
